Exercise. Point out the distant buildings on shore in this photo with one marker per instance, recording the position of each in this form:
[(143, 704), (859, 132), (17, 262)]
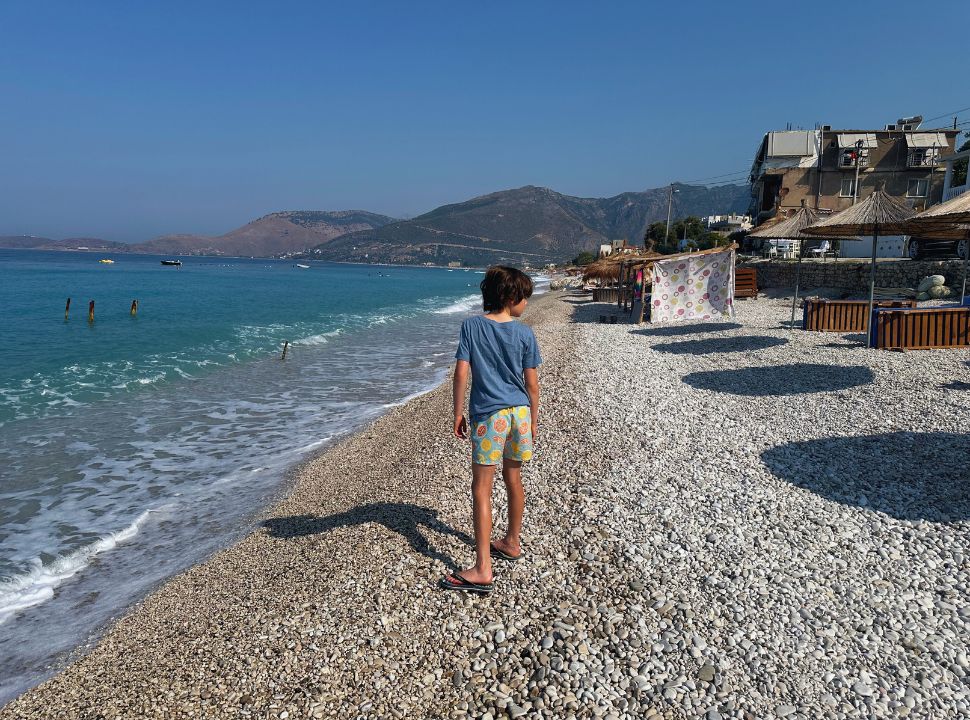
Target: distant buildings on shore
[(727, 224)]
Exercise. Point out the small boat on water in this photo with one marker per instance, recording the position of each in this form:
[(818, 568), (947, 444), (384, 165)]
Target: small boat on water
[(303, 267), (176, 263), (106, 261)]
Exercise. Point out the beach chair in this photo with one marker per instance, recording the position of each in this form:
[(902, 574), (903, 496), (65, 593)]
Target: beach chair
[(822, 250)]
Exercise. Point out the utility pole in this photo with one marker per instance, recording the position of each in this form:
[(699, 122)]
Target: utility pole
[(858, 160), (670, 200)]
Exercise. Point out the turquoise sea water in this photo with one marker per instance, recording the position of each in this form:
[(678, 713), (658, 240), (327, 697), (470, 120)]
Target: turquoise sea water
[(132, 447)]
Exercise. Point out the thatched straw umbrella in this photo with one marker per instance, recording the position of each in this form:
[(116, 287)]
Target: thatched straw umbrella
[(878, 213), (792, 228), (601, 270), (950, 219), (609, 268)]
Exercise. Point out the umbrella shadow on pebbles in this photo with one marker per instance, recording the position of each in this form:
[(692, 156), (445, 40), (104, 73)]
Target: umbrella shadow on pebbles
[(907, 475), (590, 312), (713, 345), (798, 379), (403, 518), (688, 329)]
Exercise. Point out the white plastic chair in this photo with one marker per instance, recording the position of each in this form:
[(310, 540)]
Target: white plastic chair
[(823, 248)]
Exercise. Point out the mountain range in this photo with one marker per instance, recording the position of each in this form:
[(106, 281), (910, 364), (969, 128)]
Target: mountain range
[(278, 233), (528, 225)]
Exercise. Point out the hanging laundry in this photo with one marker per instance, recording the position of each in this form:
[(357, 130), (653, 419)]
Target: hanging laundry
[(697, 287)]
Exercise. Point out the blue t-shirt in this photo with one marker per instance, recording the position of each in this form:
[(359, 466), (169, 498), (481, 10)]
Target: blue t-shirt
[(499, 353)]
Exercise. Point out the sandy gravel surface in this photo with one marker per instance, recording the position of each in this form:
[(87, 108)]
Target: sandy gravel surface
[(726, 520)]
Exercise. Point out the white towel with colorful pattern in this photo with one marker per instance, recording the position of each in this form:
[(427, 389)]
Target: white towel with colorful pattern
[(698, 287)]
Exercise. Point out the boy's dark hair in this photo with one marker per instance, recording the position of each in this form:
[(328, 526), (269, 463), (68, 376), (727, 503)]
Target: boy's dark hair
[(504, 286)]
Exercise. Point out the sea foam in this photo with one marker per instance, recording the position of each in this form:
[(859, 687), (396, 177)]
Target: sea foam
[(37, 585), (465, 304)]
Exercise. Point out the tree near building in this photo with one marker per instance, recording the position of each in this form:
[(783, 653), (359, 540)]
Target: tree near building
[(960, 168), (584, 258)]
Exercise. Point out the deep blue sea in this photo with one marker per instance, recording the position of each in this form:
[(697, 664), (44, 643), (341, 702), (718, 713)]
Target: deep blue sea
[(134, 446)]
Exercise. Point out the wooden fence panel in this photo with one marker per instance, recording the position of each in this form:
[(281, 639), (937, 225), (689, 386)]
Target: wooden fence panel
[(609, 295), (844, 316), (923, 329), (745, 282)]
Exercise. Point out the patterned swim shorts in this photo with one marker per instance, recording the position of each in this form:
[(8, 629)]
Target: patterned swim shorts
[(505, 433)]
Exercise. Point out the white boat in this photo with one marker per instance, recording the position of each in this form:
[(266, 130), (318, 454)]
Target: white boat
[(303, 267)]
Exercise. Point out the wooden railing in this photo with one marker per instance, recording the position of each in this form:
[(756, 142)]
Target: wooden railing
[(844, 316), (922, 329)]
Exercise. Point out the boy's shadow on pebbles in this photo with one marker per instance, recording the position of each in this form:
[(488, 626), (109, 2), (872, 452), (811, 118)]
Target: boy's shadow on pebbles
[(730, 344), (776, 380), (907, 475), (402, 518)]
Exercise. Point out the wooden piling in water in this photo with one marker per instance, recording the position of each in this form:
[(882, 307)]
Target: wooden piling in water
[(67, 308), (91, 311), (134, 308), (286, 346)]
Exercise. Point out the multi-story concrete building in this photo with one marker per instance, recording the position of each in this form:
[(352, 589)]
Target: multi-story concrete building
[(822, 167)]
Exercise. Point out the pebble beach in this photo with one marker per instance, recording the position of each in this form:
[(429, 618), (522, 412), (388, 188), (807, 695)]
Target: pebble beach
[(723, 520)]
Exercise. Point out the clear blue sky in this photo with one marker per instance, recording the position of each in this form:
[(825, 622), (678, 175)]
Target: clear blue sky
[(125, 121)]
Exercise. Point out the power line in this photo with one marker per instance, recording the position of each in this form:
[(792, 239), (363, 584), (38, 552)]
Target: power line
[(715, 177), (947, 114)]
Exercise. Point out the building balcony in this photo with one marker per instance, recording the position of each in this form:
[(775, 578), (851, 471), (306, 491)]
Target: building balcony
[(952, 192), (923, 158)]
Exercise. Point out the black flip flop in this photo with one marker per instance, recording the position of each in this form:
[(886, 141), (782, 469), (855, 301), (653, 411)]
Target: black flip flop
[(447, 583), (502, 555)]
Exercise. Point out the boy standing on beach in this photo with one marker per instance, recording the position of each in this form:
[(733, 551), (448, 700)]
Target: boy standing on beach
[(502, 356)]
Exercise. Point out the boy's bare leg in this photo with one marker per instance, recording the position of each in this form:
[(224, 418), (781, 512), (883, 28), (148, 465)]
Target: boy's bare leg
[(512, 474), (482, 477)]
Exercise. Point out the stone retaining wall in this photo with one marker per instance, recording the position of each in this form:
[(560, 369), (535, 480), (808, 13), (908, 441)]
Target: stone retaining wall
[(855, 276)]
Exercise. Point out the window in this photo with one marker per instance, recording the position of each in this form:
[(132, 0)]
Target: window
[(917, 188), (848, 157), (848, 187), (922, 157)]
